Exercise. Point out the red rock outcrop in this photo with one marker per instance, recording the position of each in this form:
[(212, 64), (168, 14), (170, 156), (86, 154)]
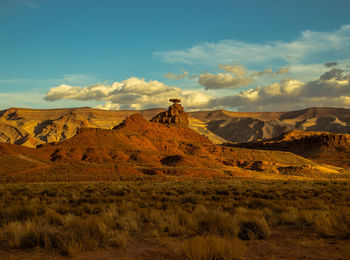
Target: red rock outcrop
[(175, 115), (137, 148), (323, 147)]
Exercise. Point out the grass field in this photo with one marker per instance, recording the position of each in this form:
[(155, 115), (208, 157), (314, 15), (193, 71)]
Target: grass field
[(177, 220)]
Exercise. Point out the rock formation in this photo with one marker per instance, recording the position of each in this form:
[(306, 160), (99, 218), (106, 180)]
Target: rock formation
[(32, 127), (174, 115), (322, 147)]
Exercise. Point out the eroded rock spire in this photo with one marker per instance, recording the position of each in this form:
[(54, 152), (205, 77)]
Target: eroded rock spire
[(174, 115)]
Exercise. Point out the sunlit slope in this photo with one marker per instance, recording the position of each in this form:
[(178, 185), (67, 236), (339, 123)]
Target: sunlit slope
[(202, 128), (323, 147), (137, 148), (246, 126), (31, 127)]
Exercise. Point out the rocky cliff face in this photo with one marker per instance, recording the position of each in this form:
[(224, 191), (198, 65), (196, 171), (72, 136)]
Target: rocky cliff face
[(251, 126), (333, 149), (175, 115)]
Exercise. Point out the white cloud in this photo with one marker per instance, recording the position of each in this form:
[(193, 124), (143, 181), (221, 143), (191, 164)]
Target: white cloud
[(236, 77), (132, 93), (238, 70), (222, 81), (176, 76), (310, 48), (331, 89), (108, 106)]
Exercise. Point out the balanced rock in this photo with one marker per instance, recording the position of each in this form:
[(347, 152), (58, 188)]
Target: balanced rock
[(174, 115)]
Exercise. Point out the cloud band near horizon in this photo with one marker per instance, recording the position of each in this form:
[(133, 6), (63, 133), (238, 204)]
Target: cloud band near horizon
[(331, 89)]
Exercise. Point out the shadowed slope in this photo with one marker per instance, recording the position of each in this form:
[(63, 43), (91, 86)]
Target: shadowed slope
[(31, 127), (55, 125), (333, 149), (246, 126), (137, 147)]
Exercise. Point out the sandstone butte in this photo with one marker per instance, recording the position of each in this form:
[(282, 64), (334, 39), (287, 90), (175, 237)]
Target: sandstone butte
[(32, 127), (174, 115), (138, 147)]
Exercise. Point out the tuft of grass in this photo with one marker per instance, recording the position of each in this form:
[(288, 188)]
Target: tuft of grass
[(213, 247), (29, 234), (215, 222), (252, 224)]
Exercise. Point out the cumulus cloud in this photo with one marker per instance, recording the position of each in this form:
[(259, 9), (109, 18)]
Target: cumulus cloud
[(108, 105), (132, 93), (235, 76), (331, 89), (222, 81), (238, 70), (176, 76), (331, 64)]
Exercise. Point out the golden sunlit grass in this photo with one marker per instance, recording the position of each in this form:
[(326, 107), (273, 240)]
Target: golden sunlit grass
[(216, 216)]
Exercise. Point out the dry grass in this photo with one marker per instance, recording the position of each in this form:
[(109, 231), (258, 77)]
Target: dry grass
[(213, 247), (252, 224), (214, 216)]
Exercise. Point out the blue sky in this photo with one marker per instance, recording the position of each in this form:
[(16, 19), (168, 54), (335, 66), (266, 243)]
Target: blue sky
[(134, 54)]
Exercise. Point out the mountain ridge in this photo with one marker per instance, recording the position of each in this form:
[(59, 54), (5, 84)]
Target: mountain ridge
[(38, 126), (322, 147), (137, 148)]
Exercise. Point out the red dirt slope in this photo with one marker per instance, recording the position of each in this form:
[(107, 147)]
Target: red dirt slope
[(137, 148)]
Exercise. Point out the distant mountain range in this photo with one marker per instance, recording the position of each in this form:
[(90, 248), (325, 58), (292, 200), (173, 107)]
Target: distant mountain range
[(31, 127), (138, 148), (246, 127)]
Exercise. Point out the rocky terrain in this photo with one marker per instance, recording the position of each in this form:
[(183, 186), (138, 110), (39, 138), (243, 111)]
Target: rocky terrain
[(30, 127), (87, 144), (138, 147), (323, 147), (174, 115), (246, 127)]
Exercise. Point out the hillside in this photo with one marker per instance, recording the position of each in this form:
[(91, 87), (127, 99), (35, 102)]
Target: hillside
[(137, 147), (323, 147), (246, 127), (31, 127)]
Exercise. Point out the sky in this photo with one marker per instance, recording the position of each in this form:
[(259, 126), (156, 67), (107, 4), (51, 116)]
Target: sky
[(240, 55)]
